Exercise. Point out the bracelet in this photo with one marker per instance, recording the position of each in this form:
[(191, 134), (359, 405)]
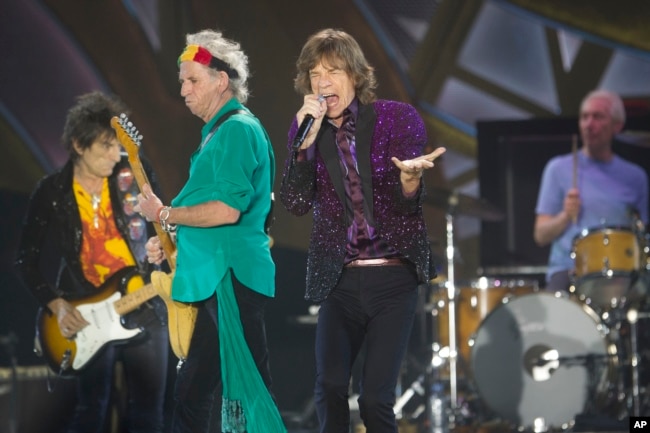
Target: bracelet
[(162, 217)]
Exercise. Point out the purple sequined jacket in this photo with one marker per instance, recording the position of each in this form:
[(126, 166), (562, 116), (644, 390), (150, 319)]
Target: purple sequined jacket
[(383, 129)]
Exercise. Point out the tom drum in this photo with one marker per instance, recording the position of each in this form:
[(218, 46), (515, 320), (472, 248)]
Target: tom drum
[(474, 301), (607, 263)]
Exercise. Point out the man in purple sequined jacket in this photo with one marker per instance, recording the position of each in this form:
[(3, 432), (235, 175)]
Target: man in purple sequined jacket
[(359, 167)]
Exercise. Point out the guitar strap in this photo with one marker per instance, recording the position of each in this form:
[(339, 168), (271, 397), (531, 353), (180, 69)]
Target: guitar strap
[(222, 119)]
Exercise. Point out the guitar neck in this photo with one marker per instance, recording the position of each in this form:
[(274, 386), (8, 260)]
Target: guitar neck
[(126, 134), (130, 302), (165, 238)]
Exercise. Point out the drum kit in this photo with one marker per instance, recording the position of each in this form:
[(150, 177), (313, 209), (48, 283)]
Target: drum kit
[(506, 351)]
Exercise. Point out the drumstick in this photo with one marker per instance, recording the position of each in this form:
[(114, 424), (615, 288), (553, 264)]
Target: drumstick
[(574, 151)]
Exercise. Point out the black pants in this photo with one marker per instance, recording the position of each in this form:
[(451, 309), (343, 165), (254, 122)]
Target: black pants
[(372, 304), (198, 390), (145, 369)]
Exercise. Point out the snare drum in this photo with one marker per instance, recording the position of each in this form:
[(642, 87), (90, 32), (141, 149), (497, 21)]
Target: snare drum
[(607, 262), (541, 359), (474, 301)]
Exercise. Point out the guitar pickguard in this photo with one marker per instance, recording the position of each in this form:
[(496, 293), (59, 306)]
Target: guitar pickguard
[(105, 327)]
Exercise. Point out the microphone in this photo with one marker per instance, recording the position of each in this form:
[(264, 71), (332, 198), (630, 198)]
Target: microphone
[(304, 128)]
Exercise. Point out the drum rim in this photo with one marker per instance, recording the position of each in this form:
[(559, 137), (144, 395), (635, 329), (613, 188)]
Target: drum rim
[(588, 231), (486, 283)]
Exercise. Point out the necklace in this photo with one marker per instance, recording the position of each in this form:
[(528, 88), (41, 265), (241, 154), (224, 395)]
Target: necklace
[(95, 199)]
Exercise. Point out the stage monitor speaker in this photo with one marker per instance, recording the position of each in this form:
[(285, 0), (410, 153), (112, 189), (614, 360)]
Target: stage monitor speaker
[(26, 405)]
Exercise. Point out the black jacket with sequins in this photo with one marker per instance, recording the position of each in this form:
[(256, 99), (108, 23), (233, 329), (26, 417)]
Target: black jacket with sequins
[(52, 233)]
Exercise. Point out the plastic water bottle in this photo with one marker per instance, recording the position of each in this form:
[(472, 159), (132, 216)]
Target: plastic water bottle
[(438, 421)]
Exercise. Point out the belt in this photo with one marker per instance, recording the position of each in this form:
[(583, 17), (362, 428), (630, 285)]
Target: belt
[(374, 262)]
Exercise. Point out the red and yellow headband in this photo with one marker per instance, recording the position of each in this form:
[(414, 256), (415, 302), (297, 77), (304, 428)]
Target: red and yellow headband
[(196, 53)]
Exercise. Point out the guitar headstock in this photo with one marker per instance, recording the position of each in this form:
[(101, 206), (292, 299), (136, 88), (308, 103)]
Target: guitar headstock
[(127, 134)]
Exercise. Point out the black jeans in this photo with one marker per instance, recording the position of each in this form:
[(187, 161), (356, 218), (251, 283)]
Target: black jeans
[(197, 394), (372, 304), (145, 368)]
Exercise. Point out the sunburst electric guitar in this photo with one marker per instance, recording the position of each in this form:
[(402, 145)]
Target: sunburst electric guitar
[(181, 315), (103, 310)]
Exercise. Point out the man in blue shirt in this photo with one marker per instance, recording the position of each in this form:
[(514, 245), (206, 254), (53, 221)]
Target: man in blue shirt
[(592, 190)]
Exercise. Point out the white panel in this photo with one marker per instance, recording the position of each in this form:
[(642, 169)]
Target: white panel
[(628, 75), (470, 104), (511, 52)]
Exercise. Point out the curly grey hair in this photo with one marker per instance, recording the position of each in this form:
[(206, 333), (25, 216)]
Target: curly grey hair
[(228, 51)]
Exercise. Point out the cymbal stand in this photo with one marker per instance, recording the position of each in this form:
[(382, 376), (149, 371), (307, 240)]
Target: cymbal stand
[(633, 316), (451, 306)]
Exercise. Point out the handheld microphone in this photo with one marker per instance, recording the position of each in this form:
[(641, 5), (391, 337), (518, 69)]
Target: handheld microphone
[(304, 128)]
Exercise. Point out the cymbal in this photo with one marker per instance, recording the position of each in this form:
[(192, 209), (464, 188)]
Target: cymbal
[(636, 138), (463, 204)]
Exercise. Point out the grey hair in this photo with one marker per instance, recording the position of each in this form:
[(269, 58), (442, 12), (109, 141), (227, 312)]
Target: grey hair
[(228, 51), (616, 106)]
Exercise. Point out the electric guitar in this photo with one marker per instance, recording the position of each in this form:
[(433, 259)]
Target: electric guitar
[(66, 356), (181, 316)]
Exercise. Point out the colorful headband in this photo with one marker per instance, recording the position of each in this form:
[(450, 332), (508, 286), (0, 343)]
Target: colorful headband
[(196, 53)]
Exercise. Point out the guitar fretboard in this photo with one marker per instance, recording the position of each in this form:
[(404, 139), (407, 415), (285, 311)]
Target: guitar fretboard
[(130, 302)]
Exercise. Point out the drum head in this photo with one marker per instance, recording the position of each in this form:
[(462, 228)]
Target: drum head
[(530, 358)]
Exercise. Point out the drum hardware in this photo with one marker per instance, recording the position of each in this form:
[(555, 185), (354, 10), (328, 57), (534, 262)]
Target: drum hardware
[(633, 316), (454, 202), (428, 388)]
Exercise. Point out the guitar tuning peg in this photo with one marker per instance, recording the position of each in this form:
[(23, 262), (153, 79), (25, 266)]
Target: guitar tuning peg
[(140, 137), (122, 116), (130, 125)]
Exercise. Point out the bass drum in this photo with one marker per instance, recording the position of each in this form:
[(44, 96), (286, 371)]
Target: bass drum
[(541, 359)]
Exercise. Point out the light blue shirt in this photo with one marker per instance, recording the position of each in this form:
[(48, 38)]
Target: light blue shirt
[(608, 192)]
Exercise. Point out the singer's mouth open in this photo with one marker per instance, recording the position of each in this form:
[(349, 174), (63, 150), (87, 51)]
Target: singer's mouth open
[(329, 98)]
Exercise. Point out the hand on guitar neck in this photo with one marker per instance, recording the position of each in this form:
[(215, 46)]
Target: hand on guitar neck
[(159, 247), (155, 251)]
